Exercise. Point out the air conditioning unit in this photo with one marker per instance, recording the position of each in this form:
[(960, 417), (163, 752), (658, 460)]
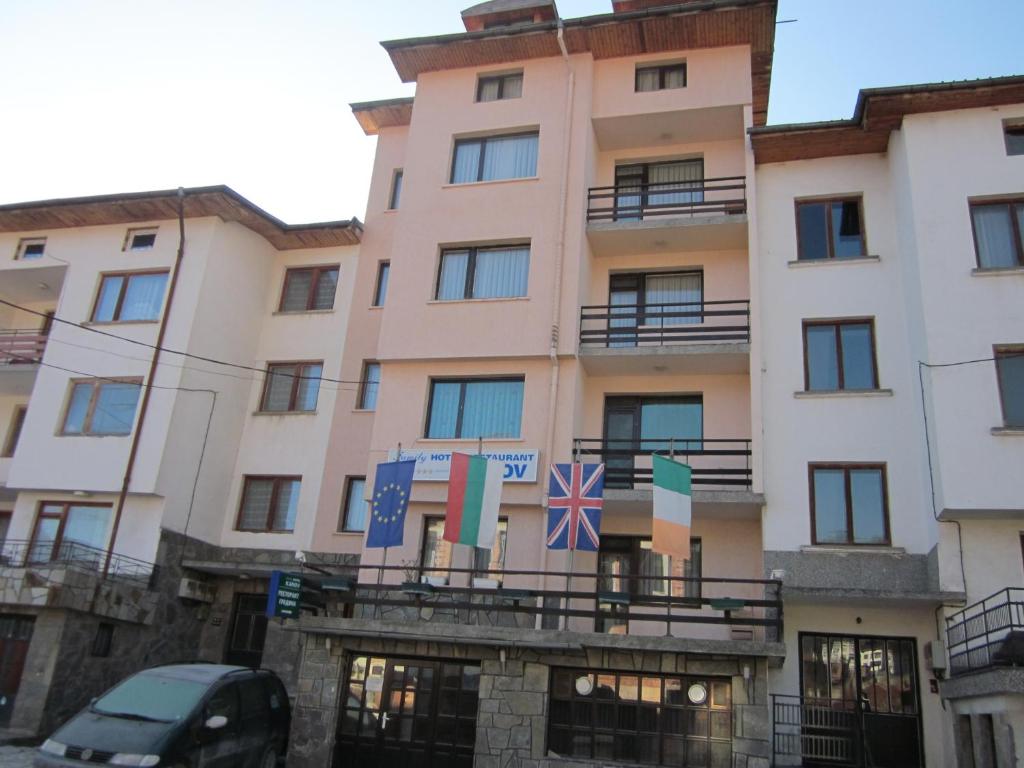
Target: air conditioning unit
[(935, 656), (194, 589)]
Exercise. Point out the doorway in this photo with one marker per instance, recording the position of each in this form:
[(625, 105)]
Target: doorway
[(15, 637), (248, 631)]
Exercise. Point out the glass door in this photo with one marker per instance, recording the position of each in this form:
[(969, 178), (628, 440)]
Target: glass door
[(623, 299)]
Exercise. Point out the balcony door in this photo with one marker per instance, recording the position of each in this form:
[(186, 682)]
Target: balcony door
[(635, 427), (643, 305), (653, 189)]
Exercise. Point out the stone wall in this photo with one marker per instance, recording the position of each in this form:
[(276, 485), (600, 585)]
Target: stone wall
[(513, 705)]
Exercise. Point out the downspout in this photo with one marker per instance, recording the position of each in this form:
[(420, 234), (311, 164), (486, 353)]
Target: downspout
[(556, 305), (133, 451)]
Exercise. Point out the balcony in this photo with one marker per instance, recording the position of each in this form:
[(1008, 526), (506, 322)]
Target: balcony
[(988, 634), (557, 608), (703, 215), (21, 351), (716, 464), (696, 337)]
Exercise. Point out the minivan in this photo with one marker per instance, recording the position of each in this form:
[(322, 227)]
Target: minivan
[(181, 716)]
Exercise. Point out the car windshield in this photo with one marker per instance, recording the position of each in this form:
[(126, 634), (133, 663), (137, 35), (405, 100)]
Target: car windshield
[(152, 697)]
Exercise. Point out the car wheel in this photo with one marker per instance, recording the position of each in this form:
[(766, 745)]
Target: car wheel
[(269, 758)]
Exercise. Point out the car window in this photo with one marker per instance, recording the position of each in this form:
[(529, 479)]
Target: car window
[(224, 702), (152, 696), (275, 693), (254, 697)]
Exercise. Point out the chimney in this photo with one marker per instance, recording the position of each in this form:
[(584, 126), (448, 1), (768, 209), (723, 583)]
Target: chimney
[(508, 13)]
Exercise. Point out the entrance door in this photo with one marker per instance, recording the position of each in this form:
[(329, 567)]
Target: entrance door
[(401, 713), (248, 631), (15, 636), (875, 677), (639, 426)]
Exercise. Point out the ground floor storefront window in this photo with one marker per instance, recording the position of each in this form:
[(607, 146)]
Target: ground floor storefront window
[(653, 719)]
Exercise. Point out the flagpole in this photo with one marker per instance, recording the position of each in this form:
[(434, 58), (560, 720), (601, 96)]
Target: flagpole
[(572, 550), (384, 562), (668, 597)]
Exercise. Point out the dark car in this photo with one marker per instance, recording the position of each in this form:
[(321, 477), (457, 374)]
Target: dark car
[(180, 716)]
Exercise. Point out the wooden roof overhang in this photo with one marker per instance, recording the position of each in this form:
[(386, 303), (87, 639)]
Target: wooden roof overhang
[(220, 201), (388, 113), (683, 26), (879, 111)]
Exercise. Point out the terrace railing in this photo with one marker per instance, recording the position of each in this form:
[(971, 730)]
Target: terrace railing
[(655, 325), (76, 556), (977, 635), (812, 731), (640, 202), (21, 347), (723, 464)]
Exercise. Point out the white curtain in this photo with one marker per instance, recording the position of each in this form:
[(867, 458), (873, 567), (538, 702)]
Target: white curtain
[(287, 505), (309, 387), (444, 409), (674, 177), (684, 292), (106, 304), (512, 157), (647, 79), (256, 508), (143, 297), (994, 232), (492, 409), (513, 87), (326, 287), (452, 283), (296, 290), (501, 272), (279, 388), (489, 89), (87, 526), (675, 78), (467, 162)]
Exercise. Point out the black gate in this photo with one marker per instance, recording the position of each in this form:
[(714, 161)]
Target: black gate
[(15, 637), (248, 631)]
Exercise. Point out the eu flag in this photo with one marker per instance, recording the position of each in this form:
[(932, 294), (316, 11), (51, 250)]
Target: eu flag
[(391, 490)]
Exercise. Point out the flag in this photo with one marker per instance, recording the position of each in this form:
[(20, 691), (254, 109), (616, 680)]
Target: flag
[(574, 506), (391, 490), (474, 495), (672, 508)]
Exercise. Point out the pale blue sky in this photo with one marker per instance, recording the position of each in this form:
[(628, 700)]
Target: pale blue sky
[(104, 96)]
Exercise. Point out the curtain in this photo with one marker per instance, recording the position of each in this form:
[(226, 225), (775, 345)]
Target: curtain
[(489, 89), (501, 272), (628, 193), (672, 177), (115, 409), (256, 506), (467, 162), (309, 387), (444, 409), (513, 87), (326, 286), (675, 77), (44, 537), (86, 526), (684, 289), (656, 566), (355, 511), (296, 290), (78, 407), (107, 301), (452, 284), (143, 297), (994, 233), (437, 553), (279, 388), (492, 409), (511, 157), (382, 284), (492, 559), (371, 383), (287, 505), (623, 302), (647, 79)]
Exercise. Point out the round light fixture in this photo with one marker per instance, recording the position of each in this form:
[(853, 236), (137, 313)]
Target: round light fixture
[(697, 693), (584, 685)]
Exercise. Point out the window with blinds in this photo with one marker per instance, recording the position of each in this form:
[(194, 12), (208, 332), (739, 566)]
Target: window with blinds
[(493, 158), (475, 408), (483, 273), (269, 504), (309, 288)]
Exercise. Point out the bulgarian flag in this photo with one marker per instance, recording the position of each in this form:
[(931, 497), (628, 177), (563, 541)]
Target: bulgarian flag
[(474, 495), (672, 508)]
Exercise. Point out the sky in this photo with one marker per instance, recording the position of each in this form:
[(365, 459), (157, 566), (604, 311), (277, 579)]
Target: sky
[(106, 96)]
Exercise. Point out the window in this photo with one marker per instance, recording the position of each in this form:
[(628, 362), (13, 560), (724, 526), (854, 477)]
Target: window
[(998, 232), (5, 526), (493, 158), (624, 558), (30, 248), (291, 386), (660, 719), (139, 239), (129, 296), (829, 229), (309, 288), (381, 291), (1010, 369), (396, 190), (103, 639), (659, 300), (473, 408), (356, 507), (101, 407), (268, 503), (435, 553), (67, 531), (660, 77), (498, 87), (839, 355), (649, 423), (849, 504), (483, 273), (1013, 133), (493, 559), (658, 189), (14, 430), (369, 386)]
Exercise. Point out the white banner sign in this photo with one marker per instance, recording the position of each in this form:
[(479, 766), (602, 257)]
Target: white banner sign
[(520, 466)]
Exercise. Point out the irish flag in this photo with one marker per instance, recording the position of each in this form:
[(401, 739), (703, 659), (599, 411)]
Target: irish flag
[(474, 495), (672, 499)]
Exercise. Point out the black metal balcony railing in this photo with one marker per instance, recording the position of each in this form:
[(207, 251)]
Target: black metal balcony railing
[(977, 636), (637, 202), (76, 556), (584, 602), (817, 731), (21, 347), (635, 325), (715, 463)]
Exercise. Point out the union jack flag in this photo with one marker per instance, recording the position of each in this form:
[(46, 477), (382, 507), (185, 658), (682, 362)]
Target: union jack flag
[(574, 506)]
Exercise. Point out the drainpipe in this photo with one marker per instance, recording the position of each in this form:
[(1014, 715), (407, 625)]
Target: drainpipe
[(133, 451), (556, 304)]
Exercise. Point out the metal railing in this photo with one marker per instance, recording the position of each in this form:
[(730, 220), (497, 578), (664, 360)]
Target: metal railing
[(976, 634), (76, 556), (628, 463), (637, 202), (817, 731), (636, 325), (21, 347), (614, 603)]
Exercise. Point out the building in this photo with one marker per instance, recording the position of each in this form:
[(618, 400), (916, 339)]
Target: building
[(96, 582)]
